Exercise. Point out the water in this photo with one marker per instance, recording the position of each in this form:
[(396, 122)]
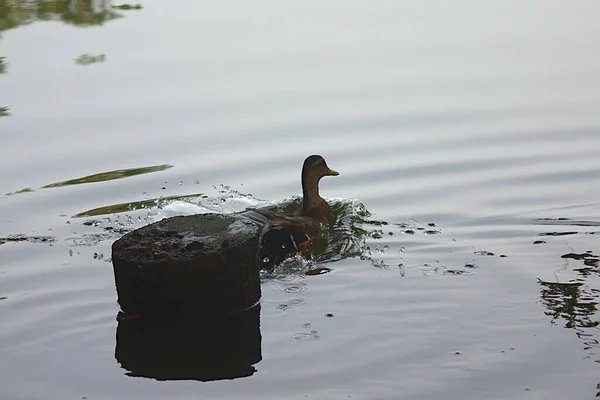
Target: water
[(471, 130)]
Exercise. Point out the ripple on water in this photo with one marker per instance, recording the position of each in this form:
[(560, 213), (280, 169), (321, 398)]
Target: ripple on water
[(312, 335), (299, 287), (296, 302), (290, 303), (272, 309)]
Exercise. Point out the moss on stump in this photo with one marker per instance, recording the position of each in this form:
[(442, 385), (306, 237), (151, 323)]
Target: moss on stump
[(189, 267)]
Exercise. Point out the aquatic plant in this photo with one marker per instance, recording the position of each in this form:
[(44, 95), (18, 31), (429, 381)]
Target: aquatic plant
[(25, 190), (110, 175), (87, 59), (128, 7), (134, 205)]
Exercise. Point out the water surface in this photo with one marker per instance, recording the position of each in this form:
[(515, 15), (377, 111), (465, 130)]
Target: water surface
[(470, 130)]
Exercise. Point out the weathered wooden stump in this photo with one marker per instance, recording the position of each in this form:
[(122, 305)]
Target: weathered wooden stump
[(189, 267)]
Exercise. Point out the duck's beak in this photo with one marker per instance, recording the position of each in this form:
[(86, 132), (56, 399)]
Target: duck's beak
[(331, 172)]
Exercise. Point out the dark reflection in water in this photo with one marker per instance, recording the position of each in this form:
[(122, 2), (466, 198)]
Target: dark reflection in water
[(570, 302), (25, 238), (203, 351), (80, 13), (589, 259), (4, 110), (75, 12), (575, 303), (566, 222)]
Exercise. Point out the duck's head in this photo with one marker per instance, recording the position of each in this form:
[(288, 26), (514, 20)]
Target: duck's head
[(315, 168)]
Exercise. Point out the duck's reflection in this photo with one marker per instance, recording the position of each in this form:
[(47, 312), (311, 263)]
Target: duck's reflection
[(204, 351)]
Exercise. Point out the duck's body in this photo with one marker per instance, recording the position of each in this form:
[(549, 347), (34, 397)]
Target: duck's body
[(286, 234)]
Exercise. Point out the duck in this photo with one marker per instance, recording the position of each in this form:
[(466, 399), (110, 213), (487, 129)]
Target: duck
[(286, 234)]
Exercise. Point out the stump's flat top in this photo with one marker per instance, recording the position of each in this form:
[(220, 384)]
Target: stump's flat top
[(185, 237)]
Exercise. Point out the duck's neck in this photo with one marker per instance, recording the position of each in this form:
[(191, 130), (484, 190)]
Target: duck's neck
[(310, 192)]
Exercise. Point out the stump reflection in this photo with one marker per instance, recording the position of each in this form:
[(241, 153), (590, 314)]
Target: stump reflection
[(211, 350)]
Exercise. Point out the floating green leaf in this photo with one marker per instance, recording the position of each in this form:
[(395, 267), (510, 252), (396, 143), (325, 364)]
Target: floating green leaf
[(87, 59), (26, 190), (110, 175), (128, 7), (136, 205)]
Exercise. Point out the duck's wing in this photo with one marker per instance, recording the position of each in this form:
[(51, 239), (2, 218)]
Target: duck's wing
[(283, 237)]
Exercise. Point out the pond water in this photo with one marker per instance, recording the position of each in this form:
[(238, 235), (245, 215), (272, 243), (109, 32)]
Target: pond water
[(469, 131)]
